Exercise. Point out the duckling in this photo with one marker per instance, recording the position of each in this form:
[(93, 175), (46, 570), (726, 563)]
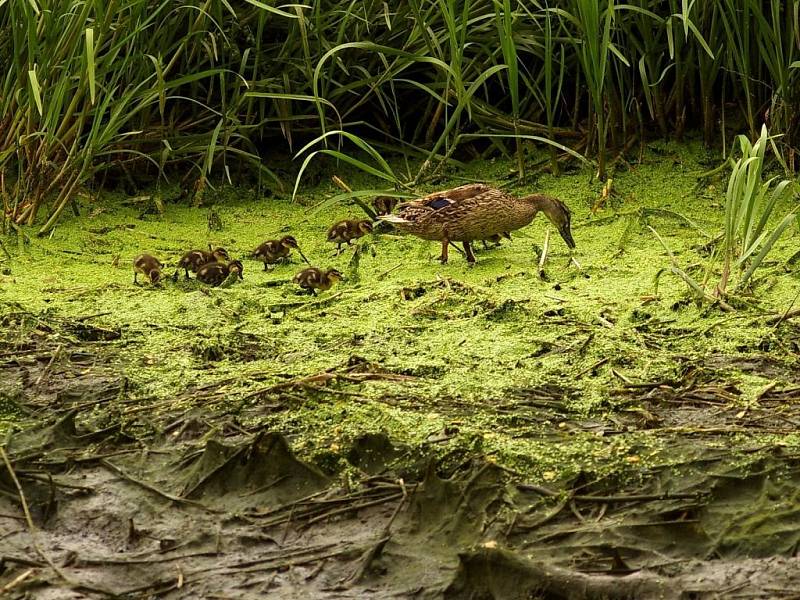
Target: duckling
[(313, 279), (272, 251), (384, 205), (149, 266), (347, 230), (495, 239), (194, 259), (215, 273)]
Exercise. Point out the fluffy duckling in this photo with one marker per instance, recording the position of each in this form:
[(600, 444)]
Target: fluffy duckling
[(149, 266), (384, 205), (216, 272), (313, 279), (347, 230), (272, 251), (495, 239), (194, 259)]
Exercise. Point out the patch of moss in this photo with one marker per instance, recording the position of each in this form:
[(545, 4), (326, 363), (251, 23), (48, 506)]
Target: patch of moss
[(471, 337)]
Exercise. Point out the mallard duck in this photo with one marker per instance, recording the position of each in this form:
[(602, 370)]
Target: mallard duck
[(194, 259), (347, 230), (476, 212), (272, 251), (383, 205), (313, 279), (216, 272), (149, 266)]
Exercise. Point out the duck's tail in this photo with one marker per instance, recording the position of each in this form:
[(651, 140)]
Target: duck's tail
[(394, 219)]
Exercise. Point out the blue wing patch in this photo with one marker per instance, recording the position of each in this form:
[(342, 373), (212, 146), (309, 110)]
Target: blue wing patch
[(440, 202)]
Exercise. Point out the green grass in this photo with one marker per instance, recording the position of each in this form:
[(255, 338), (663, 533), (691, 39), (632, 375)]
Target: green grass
[(749, 231), (144, 90)]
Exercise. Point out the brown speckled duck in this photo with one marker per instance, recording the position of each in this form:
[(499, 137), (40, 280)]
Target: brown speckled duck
[(149, 266), (346, 231), (272, 251), (216, 272), (313, 279), (194, 259), (476, 212), (383, 205)]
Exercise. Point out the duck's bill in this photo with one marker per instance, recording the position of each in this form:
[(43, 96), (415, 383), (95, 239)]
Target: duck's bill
[(567, 235), (303, 256)]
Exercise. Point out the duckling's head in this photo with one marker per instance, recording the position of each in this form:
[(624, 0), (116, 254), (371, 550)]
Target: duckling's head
[(288, 241), (384, 204), (154, 275), (365, 227), (334, 275), (220, 254), (237, 267)]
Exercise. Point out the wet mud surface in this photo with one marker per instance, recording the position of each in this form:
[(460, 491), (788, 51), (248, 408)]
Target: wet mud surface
[(118, 495)]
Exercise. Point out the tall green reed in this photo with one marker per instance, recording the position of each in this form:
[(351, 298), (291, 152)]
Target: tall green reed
[(152, 88)]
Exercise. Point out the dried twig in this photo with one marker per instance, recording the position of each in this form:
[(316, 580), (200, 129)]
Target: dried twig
[(16, 581)]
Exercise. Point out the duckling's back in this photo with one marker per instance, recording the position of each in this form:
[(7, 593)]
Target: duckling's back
[(194, 259), (309, 278), (213, 273), (144, 263)]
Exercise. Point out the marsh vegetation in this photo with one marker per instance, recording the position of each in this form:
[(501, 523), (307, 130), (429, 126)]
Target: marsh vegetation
[(617, 420)]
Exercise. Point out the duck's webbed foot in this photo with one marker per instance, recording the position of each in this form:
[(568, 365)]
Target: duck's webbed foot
[(470, 255)]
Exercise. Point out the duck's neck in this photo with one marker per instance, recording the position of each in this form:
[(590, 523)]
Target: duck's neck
[(539, 202), (534, 203)]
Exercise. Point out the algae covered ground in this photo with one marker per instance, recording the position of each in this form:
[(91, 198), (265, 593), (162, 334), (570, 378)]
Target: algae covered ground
[(597, 369), (470, 340)]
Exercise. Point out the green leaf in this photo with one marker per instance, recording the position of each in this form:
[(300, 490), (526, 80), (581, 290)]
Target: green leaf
[(37, 95), (277, 11), (90, 66)]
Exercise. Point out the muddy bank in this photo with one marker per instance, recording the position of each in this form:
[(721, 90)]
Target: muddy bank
[(108, 496)]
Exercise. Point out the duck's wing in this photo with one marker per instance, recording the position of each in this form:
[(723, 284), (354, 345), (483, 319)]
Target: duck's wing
[(461, 193), (473, 192)]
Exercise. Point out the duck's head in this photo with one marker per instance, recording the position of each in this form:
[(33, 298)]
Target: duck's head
[(334, 275), (154, 275), (559, 215), (288, 241), (220, 254), (384, 204), (237, 267), (365, 227)]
